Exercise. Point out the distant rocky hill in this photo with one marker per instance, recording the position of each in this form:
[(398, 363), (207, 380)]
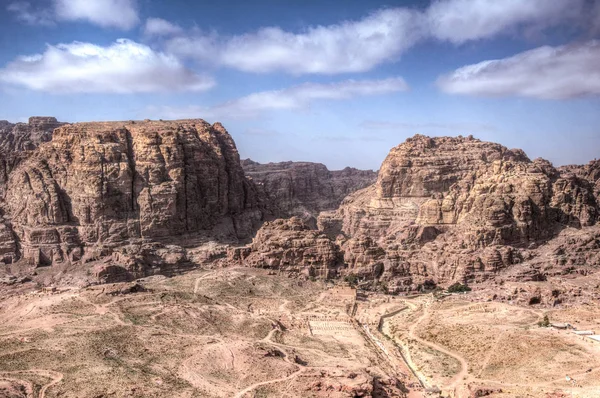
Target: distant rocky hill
[(17, 139), (305, 189), (98, 187), (589, 172), (447, 210), (112, 201)]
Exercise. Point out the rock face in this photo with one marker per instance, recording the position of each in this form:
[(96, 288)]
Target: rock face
[(17, 140), (456, 209), (123, 200), (17, 143), (589, 172), (305, 189), (97, 186), (290, 245)]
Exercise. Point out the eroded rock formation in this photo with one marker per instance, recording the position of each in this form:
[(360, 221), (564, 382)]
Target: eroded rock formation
[(292, 246), (97, 186), (305, 189), (124, 200), (452, 209)]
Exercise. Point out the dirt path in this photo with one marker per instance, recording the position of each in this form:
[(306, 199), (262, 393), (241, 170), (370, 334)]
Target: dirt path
[(488, 356), (55, 377), (453, 384), (264, 383), (197, 283), (102, 309)]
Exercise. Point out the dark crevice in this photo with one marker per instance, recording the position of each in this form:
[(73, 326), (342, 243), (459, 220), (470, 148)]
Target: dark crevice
[(185, 182), (17, 240), (132, 167)]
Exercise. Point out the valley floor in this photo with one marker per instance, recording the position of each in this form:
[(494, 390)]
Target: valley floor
[(240, 332)]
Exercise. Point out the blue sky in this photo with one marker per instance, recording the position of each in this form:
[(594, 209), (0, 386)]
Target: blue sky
[(337, 82)]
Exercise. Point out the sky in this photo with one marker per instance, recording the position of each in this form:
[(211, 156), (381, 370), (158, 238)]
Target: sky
[(337, 82)]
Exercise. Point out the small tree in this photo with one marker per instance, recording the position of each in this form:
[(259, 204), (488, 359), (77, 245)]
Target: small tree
[(459, 288), (352, 279), (544, 323)]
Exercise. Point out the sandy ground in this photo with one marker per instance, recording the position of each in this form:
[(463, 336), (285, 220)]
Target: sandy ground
[(223, 333), (245, 333), (460, 346)]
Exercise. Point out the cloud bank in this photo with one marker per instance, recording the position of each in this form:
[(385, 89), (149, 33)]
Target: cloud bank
[(120, 14), (563, 72), (293, 98), (459, 21), (341, 48), (122, 67), (383, 36)]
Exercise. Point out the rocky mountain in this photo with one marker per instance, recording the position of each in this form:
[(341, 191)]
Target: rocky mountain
[(589, 172), (17, 140), (121, 200), (113, 190), (304, 189), (447, 210)]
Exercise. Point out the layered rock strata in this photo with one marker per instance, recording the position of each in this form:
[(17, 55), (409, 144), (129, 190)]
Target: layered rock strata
[(305, 189), (17, 142), (456, 209), (290, 245), (97, 186)]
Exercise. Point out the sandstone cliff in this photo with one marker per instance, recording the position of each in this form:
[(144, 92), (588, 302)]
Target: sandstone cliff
[(18, 140), (305, 189), (290, 245), (121, 200), (589, 172), (17, 143), (455, 209), (99, 186)]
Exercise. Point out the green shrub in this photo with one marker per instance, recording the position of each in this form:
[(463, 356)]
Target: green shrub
[(544, 323), (459, 288), (352, 279)]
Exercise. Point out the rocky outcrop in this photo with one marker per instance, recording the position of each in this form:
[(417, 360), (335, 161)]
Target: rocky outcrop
[(123, 200), (305, 189), (18, 140), (17, 143), (289, 245), (98, 186), (455, 209), (589, 172)]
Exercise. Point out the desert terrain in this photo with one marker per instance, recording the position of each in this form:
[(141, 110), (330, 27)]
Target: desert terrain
[(145, 259), (243, 332), (222, 333)]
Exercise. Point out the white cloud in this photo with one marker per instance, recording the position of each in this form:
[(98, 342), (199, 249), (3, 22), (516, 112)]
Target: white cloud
[(30, 15), (123, 67), (546, 72), (459, 21), (120, 14), (161, 27), (351, 46), (383, 36), (293, 98)]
